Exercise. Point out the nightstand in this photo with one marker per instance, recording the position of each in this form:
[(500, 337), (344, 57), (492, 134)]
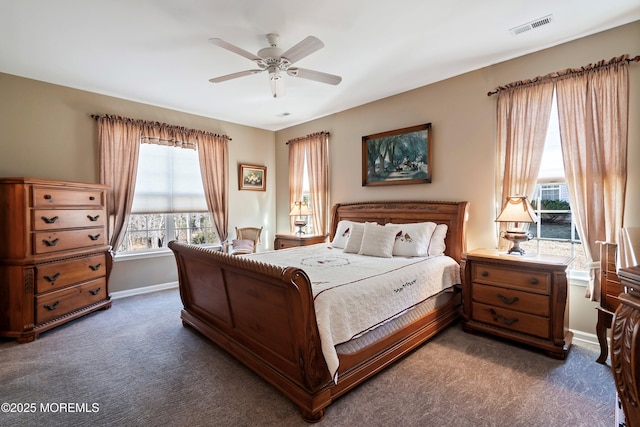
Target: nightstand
[(522, 298), (292, 240)]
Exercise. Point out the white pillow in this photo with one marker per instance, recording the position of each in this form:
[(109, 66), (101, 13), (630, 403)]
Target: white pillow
[(437, 246), (413, 239), (355, 238), (378, 240), (342, 234)]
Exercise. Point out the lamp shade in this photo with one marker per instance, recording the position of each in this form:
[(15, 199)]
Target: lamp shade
[(517, 209), (300, 209)]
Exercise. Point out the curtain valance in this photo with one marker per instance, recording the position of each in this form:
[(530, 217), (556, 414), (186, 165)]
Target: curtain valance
[(163, 133), (558, 75), (306, 138)]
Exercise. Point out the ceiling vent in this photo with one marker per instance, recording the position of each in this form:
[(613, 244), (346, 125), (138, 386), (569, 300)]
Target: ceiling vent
[(531, 25)]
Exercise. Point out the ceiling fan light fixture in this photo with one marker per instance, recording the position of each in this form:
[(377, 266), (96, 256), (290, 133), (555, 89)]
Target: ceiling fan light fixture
[(277, 83)]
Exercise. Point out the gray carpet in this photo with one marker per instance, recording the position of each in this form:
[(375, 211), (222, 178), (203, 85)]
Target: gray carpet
[(136, 365)]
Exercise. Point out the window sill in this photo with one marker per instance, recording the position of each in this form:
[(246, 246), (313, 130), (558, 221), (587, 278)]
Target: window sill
[(578, 278), (158, 253)]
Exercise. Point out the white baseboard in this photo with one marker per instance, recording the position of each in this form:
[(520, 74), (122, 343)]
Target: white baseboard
[(144, 290), (585, 337)]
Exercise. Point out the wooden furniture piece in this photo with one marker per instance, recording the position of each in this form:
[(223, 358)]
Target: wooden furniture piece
[(54, 259), (610, 288), (522, 298), (283, 241), (264, 314), (625, 345)]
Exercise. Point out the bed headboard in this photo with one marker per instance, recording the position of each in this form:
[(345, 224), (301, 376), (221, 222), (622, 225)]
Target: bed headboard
[(453, 214)]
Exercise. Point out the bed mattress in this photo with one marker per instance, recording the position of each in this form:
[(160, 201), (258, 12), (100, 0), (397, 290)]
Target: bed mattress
[(356, 294)]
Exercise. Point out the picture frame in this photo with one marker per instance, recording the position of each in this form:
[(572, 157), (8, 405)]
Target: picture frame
[(401, 156), (251, 177)]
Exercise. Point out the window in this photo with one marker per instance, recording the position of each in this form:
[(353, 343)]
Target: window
[(169, 202), (306, 197), (555, 233)]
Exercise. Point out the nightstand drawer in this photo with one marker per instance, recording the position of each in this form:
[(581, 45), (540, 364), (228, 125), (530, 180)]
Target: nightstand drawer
[(512, 299), (510, 319), (511, 277)]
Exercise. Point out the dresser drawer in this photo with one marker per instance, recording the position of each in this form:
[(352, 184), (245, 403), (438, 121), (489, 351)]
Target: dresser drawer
[(512, 299), (53, 219), (56, 275), (50, 196), (512, 320), (48, 242), (57, 304), (510, 277)]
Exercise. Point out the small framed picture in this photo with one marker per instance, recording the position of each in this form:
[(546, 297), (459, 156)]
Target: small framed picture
[(252, 178)]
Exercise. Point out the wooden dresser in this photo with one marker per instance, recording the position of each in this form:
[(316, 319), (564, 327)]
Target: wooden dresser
[(522, 298), (283, 241), (54, 257), (625, 345), (610, 288)]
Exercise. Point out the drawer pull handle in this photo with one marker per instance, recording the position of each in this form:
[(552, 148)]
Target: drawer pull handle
[(95, 267), (53, 278), (484, 273), (507, 300), (52, 306), (93, 218), (49, 220), (50, 242), (91, 198), (533, 281), (497, 316), (48, 197), (96, 237), (95, 291)]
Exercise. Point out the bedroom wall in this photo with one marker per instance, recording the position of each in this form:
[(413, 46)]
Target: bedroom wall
[(47, 132), (463, 123)]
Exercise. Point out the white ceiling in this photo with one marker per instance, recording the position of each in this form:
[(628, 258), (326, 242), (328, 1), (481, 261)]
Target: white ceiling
[(157, 51)]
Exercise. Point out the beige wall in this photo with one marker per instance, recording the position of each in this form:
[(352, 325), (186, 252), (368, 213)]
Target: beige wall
[(47, 132), (464, 134)]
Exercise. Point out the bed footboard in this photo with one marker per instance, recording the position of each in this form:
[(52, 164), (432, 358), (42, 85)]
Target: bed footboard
[(261, 314)]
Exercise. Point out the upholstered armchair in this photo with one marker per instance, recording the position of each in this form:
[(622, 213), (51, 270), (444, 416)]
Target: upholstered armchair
[(246, 241)]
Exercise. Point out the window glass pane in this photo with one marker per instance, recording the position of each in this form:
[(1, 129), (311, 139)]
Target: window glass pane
[(168, 180), (555, 233), (153, 231)]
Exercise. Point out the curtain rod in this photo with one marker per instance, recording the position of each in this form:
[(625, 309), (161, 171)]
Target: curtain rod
[(557, 74), (311, 135), (158, 125)]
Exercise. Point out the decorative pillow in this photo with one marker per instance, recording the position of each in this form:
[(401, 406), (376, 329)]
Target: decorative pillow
[(242, 246), (355, 238), (342, 234), (413, 239), (378, 240), (437, 246)]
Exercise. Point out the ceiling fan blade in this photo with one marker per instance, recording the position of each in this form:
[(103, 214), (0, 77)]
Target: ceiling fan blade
[(235, 49), (314, 75), (302, 49), (234, 76)]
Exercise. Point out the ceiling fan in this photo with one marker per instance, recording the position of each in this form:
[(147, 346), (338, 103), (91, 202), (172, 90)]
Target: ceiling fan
[(277, 62)]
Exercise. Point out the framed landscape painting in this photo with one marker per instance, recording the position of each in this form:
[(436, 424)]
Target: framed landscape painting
[(252, 178), (401, 156)]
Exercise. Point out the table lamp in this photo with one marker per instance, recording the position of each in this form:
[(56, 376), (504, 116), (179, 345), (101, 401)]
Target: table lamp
[(301, 210), (517, 210)]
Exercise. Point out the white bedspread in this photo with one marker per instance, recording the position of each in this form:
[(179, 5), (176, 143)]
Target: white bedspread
[(354, 293)]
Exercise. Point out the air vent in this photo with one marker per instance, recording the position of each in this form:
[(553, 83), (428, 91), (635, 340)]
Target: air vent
[(531, 25)]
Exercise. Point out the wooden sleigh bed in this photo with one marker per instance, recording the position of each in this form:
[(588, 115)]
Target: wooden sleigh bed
[(264, 314)]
